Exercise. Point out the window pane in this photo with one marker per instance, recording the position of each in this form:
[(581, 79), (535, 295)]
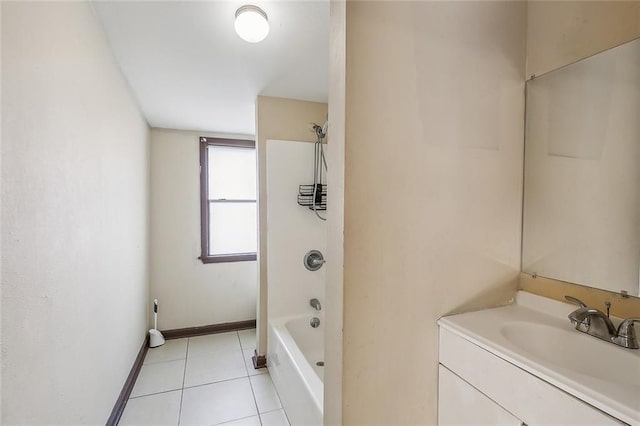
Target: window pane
[(232, 173), (232, 228)]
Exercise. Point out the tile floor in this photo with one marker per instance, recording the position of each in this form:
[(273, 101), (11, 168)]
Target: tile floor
[(204, 380)]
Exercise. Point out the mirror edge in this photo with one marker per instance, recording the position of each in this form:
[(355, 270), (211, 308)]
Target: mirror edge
[(621, 306), (551, 287), (528, 78)]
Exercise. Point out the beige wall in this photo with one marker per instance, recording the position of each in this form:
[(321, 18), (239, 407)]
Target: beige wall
[(1, 256), (74, 215), (562, 32), (190, 293), (278, 119), (433, 186), (335, 218)]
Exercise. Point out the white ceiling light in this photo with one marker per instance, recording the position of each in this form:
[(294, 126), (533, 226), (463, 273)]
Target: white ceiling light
[(251, 23)]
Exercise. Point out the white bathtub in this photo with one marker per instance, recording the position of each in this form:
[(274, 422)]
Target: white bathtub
[(294, 349)]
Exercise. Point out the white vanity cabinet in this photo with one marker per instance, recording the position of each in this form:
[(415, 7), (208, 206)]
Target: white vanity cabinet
[(459, 403), (477, 387)]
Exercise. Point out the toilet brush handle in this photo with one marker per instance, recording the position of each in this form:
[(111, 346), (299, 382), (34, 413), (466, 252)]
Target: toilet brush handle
[(155, 314)]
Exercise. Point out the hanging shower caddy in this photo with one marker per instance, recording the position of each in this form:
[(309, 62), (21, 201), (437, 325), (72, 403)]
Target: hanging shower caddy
[(313, 196)]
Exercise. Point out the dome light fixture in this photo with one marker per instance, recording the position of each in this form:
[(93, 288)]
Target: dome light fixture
[(251, 23)]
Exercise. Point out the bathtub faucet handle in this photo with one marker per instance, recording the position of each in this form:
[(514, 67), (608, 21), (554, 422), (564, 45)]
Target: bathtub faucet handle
[(315, 303), (313, 260), (315, 322)]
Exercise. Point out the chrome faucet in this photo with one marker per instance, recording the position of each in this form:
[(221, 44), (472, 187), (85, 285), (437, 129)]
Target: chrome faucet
[(598, 324), (316, 304), (594, 322)]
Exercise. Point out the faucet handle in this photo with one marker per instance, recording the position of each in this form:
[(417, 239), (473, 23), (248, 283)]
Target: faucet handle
[(313, 260), (575, 301), (583, 323), (315, 303), (581, 319), (626, 334)]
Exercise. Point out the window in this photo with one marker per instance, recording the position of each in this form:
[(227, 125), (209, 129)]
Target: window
[(228, 200)]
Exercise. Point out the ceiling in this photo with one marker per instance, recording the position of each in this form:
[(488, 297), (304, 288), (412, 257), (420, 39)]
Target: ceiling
[(189, 69)]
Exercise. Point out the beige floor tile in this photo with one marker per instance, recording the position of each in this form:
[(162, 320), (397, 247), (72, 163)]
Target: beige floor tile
[(215, 367), (212, 343), (274, 418), (265, 393), (247, 339), (170, 351), (217, 403), (159, 377), (158, 409), (247, 421)]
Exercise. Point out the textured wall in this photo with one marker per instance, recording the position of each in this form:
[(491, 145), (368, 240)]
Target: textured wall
[(335, 218), (74, 215), (562, 32), (433, 187), (190, 293)]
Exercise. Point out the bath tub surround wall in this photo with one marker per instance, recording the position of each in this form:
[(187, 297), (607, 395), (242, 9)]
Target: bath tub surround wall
[(293, 231), (74, 218), (280, 119), (190, 293), (294, 346)]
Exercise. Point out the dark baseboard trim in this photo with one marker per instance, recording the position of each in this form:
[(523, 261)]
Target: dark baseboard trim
[(259, 361), (121, 402), (179, 333)]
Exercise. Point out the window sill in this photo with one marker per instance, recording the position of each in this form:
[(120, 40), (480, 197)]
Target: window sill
[(224, 258)]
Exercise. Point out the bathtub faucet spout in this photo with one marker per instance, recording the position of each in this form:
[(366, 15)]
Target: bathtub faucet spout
[(316, 304)]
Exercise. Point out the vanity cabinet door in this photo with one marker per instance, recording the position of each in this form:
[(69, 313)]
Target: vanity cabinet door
[(459, 403), (525, 395)]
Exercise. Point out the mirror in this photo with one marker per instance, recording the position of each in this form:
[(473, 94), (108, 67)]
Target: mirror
[(581, 213)]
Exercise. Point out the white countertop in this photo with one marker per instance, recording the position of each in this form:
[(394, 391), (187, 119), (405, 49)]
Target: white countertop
[(489, 329)]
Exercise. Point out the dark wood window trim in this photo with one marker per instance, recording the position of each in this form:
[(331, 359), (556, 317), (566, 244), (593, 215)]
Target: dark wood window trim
[(204, 201)]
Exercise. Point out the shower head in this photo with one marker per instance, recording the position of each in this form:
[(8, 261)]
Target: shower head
[(324, 127)]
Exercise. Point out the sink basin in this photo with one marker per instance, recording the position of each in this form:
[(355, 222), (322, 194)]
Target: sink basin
[(535, 335), (577, 351)]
